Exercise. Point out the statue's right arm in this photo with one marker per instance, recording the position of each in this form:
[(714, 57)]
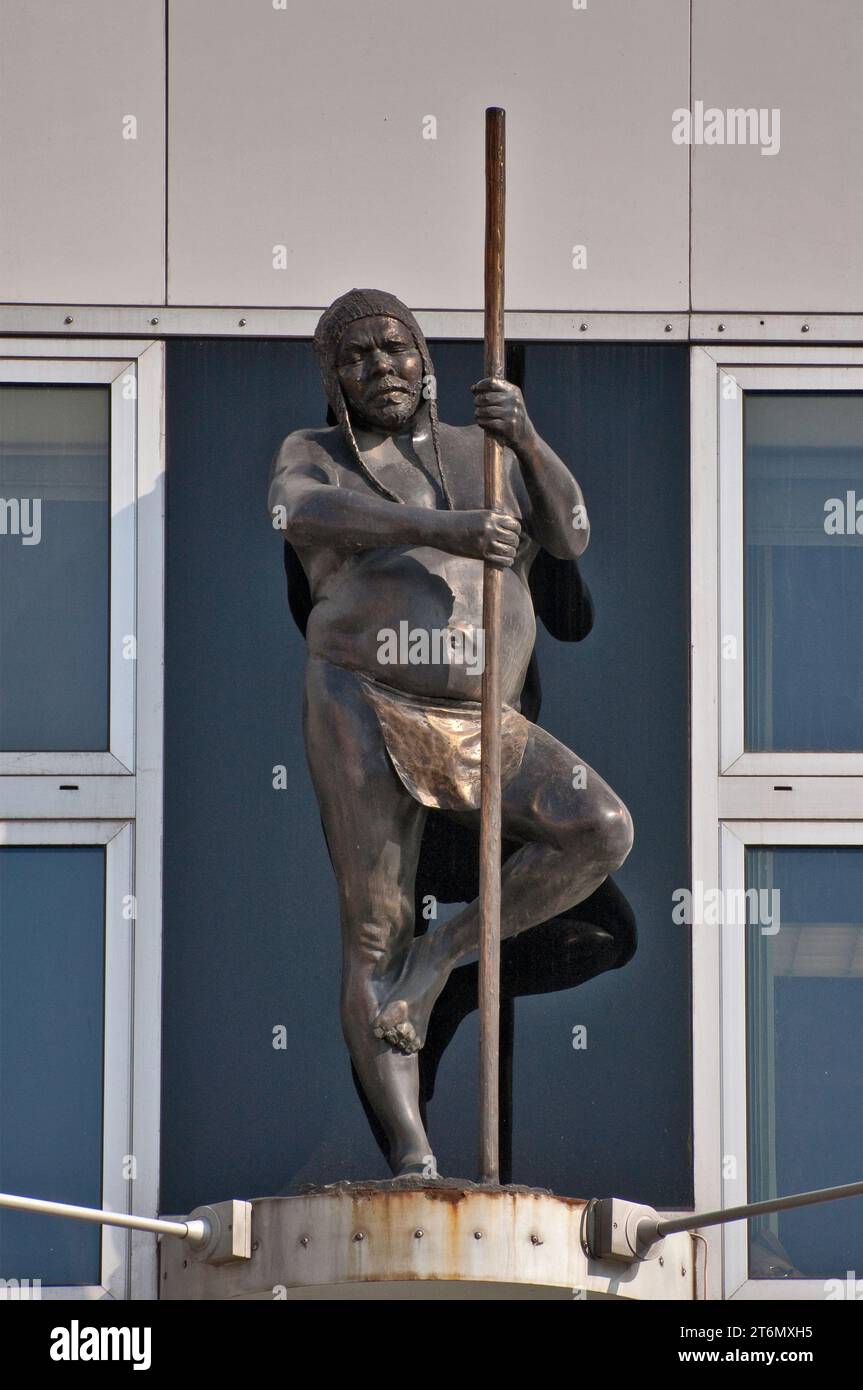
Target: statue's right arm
[(307, 503)]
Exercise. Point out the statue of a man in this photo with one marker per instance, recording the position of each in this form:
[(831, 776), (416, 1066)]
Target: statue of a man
[(385, 510)]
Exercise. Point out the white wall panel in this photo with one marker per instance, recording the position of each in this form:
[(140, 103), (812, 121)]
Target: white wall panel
[(82, 210), (303, 127), (780, 231)]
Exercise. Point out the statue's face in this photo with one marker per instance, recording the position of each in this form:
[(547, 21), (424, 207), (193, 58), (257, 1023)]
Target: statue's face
[(381, 372)]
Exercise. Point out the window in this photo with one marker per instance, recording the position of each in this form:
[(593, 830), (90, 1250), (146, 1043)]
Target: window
[(791, 468), (54, 623), (777, 799), (81, 569), (803, 578), (792, 980), (67, 565), (65, 982)]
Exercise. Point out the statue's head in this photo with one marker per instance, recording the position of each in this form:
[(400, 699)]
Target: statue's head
[(376, 367)]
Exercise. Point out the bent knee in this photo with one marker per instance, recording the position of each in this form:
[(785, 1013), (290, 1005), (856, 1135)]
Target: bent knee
[(607, 834), (617, 833)]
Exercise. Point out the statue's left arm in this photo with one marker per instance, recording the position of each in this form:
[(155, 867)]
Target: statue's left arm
[(558, 520)]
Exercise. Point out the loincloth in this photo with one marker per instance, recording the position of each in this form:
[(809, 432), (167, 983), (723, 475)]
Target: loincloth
[(434, 745)]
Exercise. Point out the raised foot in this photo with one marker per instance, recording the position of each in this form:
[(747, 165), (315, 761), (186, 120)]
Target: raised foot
[(404, 1019), (394, 1026)]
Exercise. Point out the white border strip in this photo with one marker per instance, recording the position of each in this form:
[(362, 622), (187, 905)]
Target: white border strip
[(146, 1058), (704, 766), (552, 325), (549, 325)]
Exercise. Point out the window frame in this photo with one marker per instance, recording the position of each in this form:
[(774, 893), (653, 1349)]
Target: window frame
[(120, 375), (736, 838), (765, 800), (115, 798), (118, 839), (734, 380)]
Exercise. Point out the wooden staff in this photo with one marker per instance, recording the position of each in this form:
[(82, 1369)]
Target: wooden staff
[(490, 831)]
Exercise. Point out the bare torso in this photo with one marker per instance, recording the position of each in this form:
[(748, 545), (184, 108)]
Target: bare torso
[(413, 590)]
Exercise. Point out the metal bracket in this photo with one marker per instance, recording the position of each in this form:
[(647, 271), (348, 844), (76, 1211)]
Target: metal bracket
[(611, 1231), (226, 1232)]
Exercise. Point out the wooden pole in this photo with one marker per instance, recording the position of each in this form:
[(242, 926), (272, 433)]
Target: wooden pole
[(490, 830)]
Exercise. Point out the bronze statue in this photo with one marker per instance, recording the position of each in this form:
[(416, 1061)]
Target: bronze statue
[(384, 510)]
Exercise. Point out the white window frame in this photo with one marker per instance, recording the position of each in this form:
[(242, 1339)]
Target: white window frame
[(121, 377), (734, 381), (117, 837), (766, 797), (737, 837), (115, 798)]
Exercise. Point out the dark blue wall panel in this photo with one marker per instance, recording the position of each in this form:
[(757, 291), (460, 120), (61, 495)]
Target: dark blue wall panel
[(251, 933)]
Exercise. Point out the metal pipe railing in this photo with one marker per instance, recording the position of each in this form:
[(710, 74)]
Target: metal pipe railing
[(650, 1230), (197, 1232)]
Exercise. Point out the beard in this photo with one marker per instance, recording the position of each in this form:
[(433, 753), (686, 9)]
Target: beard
[(390, 411)]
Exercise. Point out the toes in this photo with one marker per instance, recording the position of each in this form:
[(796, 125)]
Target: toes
[(399, 1034)]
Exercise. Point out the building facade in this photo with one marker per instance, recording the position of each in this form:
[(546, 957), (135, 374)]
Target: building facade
[(186, 185)]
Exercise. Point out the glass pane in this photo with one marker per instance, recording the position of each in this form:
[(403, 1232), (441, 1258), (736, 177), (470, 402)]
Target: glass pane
[(52, 912), (54, 567), (805, 1040), (803, 461)]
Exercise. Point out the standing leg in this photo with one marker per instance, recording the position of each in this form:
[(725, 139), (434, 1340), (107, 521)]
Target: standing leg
[(373, 828)]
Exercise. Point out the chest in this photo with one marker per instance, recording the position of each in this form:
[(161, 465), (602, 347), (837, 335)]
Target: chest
[(410, 472)]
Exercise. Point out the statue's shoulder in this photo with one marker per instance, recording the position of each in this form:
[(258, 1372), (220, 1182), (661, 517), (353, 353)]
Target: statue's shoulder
[(310, 443), (315, 449)]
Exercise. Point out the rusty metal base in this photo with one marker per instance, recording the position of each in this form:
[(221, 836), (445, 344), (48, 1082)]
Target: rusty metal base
[(423, 1240)]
